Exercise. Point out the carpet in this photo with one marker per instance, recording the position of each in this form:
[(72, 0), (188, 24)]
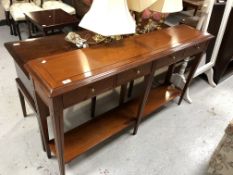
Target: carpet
[(221, 162)]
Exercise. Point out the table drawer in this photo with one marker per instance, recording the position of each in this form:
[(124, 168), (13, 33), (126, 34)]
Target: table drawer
[(88, 91), (134, 73), (171, 59), (198, 48)]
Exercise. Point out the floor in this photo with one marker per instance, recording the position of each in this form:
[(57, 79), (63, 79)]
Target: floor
[(177, 140)]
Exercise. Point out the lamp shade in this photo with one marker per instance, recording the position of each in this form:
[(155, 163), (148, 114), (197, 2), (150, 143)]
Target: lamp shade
[(167, 6), (109, 17), (140, 5)]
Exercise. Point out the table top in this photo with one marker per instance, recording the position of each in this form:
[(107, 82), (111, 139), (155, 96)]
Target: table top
[(51, 18), (80, 67), (29, 49)]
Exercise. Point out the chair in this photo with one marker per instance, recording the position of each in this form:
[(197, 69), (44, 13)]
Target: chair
[(6, 8), (17, 10), (57, 4)]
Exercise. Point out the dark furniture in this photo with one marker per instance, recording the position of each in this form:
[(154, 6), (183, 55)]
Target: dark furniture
[(49, 20), (92, 71), (224, 64)]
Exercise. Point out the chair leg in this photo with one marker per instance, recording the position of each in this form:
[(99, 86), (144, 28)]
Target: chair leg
[(16, 25), (22, 102), (7, 15)]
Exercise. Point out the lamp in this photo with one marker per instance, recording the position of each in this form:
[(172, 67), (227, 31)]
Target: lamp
[(140, 5), (167, 6), (161, 6), (109, 18)]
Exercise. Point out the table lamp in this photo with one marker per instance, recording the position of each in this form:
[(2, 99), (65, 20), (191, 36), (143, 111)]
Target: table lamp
[(167, 6), (108, 18), (140, 5), (161, 6)]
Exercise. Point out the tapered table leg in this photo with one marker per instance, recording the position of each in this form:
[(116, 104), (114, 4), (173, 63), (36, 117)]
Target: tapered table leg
[(123, 92), (148, 80), (42, 120), (22, 102), (193, 69), (56, 113), (93, 104)]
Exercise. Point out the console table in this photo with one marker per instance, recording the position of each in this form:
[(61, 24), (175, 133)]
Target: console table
[(63, 80)]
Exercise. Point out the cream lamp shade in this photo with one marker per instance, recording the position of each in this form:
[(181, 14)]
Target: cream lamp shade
[(108, 18), (140, 5), (167, 6)]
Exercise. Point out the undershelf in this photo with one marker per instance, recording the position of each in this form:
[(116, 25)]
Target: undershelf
[(99, 129)]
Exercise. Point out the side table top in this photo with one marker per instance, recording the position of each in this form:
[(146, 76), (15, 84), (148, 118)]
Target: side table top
[(91, 64), (51, 18)]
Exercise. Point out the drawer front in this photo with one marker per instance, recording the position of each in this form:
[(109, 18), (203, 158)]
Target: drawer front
[(88, 91), (198, 48), (168, 60), (134, 73)]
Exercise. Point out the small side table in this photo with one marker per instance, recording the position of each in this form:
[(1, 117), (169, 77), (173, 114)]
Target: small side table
[(48, 20)]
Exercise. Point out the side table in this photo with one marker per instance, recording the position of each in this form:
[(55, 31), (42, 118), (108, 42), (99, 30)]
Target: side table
[(48, 20)]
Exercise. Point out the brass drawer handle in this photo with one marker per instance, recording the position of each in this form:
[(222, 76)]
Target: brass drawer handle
[(173, 57), (138, 71), (198, 47), (93, 90)]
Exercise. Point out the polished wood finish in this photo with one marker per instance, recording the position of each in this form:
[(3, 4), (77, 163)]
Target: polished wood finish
[(93, 64), (86, 136), (47, 20), (56, 76)]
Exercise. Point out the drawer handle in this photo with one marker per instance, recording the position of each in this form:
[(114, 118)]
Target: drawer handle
[(174, 57), (138, 71), (198, 47), (93, 90)]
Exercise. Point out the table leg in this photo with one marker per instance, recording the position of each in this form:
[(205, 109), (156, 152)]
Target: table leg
[(130, 91), (193, 69), (56, 113), (93, 104), (169, 73), (29, 29), (22, 102), (123, 93), (42, 120), (148, 80)]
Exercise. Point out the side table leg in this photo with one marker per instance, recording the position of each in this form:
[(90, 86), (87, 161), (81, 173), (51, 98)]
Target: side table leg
[(22, 102), (42, 119), (56, 112), (123, 92), (190, 76), (148, 80), (93, 104)]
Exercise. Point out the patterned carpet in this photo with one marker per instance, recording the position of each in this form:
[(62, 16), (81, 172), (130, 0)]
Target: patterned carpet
[(221, 162)]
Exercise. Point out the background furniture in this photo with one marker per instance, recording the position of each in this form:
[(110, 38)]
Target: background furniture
[(6, 8), (57, 4), (49, 20), (196, 4), (17, 11), (144, 55), (223, 66)]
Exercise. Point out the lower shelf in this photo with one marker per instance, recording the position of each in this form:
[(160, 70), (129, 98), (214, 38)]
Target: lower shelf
[(90, 134)]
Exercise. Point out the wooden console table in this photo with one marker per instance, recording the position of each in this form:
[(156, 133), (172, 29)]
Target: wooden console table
[(63, 80)]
